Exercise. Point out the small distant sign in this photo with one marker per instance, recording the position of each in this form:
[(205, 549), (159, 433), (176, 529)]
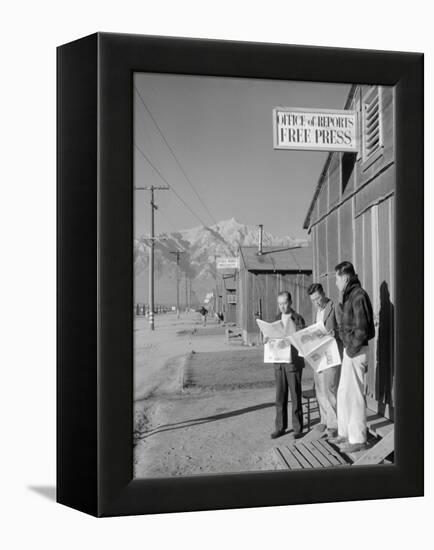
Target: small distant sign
[(228, 262), (315, 129)]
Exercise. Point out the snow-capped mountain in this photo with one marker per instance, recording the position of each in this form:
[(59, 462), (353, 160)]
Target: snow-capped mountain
[(198, 249)]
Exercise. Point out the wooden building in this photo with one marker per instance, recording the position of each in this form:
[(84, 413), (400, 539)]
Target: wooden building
[(261, 277), (230, 298), (351, 217)]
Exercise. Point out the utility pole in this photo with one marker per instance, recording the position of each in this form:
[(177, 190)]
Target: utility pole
[(186, 293), (189, 292), (177, 253), (216, 289), (153, 206), (261, 229)]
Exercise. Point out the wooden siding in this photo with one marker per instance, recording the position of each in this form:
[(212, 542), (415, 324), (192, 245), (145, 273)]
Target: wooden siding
[(376, 190), (332, 253), (335, 182), (323, 198), (353, 219), (257, 297), (347, 236)]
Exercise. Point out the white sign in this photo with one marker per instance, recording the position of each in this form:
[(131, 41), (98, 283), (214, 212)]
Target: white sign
[(228, 262), (315, 129)]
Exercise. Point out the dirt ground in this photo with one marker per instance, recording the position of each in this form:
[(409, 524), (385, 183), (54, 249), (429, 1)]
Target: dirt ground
[(201, 405)]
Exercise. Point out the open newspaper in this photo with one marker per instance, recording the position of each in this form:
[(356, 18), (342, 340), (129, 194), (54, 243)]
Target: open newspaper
[(277, 349), (313, 343)]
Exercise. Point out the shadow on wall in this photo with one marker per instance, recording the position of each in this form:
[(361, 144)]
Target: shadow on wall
[(385, 372)]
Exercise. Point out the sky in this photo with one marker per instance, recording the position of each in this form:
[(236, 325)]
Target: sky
[(221, 132)]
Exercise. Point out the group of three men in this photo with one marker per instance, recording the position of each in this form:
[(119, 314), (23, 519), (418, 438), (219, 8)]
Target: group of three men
[(340, 390)]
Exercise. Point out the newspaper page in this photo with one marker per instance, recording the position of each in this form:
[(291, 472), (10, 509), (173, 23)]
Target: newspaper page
[(271, 330), (325, 356), (314, 343), (310, 338), (277, 351), (317, 346), (278, 347)]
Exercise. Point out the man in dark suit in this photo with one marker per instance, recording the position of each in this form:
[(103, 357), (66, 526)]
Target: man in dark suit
[(327, 381), (288, 375)]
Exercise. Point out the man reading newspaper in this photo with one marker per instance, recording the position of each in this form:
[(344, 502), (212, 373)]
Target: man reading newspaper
[(285, 345), (326, 380), (288, 365)]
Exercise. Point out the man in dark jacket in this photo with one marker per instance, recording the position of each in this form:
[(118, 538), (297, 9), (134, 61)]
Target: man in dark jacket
[(288, 375), (327, 381), (356, 329)]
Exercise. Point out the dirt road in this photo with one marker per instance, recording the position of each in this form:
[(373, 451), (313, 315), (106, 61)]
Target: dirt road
[(202, 406)]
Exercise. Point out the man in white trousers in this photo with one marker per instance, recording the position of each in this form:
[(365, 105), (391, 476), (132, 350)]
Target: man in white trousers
[(356, 329), (327, 381)]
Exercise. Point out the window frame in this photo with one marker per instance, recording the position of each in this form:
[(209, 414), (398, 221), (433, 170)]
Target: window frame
[(369, 159)]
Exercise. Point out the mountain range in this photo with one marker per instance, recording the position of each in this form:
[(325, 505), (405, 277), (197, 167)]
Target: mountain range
[(198, 247)]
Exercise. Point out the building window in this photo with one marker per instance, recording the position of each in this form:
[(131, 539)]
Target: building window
[(372, 128), (232, 298)]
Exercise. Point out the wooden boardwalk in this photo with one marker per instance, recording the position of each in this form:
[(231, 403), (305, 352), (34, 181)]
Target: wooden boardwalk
[(317, 453), (314, 451)]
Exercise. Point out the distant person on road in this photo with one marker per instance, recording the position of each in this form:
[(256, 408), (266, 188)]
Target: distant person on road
[(356, 329), (288, 375), (220, 317), (204, 312), (327, 381)]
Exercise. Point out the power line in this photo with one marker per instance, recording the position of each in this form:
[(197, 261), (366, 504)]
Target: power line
[(268, 239), (167, 183), (177, 254), (174, 156), (179, 197), (295, 260), (154, 207), (228, 247), (174, 229)]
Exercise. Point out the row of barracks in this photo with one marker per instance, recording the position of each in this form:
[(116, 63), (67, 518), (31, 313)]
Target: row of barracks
[(225, 296), (250, 293), (351, 217), (262, 276)]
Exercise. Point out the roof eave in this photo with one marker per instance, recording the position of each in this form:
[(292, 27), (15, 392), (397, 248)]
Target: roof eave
[(306, 224)]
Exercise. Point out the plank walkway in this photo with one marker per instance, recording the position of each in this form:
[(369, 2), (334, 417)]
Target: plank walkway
[(317, 453), (314, 451)]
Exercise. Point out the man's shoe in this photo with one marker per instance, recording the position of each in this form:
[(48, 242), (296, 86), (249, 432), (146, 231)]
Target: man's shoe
[(319, 427), (352, 447), (297, 435), (277, 433), (338, 440)]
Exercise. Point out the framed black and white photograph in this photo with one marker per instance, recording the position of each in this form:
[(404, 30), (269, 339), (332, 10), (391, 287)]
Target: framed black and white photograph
[(240, 274)]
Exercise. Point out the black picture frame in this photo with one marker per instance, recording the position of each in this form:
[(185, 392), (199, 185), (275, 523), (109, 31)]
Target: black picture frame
[(95, 274)]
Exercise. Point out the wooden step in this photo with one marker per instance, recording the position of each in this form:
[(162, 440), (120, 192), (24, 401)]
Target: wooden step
[(377, 424), (377, 453), (317, 453)]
